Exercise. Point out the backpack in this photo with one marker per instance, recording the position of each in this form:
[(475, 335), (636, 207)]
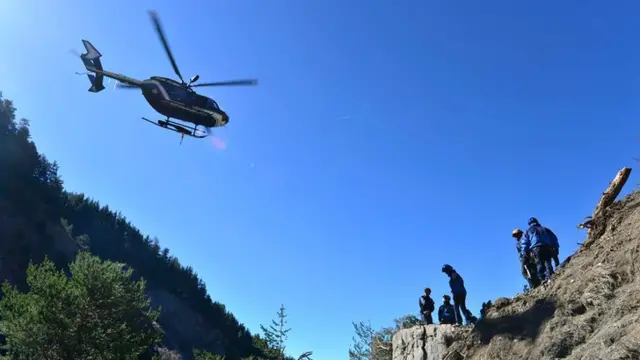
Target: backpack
[(553, 239), (538, 236)]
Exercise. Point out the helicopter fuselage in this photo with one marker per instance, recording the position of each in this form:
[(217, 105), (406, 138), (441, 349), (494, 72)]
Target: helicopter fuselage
[(175, 100), (168, 97)]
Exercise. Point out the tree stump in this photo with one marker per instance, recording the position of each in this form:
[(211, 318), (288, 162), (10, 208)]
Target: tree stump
[(596, 223)]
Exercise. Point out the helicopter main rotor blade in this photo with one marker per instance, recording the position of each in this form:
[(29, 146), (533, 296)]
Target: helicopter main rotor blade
[(228, 83), (163, 39)]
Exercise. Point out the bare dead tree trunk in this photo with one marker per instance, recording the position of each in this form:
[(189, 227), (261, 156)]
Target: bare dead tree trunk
[(596, 223)]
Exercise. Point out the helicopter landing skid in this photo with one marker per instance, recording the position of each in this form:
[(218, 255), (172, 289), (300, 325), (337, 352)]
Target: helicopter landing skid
[(192, 131)]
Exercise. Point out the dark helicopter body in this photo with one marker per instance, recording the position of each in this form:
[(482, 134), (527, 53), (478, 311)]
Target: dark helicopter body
[(173, 99)]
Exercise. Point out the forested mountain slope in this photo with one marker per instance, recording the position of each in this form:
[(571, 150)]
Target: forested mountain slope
[(39, 218)]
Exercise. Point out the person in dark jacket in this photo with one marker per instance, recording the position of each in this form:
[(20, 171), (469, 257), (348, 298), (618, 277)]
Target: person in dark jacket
[(446, 312), (555, 245), (459, 292), (538, 241), (427, 306), (527, 265)]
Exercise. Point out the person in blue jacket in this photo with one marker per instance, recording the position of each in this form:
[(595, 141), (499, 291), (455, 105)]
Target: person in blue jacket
[(459, 292), (446, 313), (538, 241), (527, 264)]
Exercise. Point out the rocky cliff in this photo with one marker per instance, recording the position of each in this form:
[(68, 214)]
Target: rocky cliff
[(426, 342), (590, 309)]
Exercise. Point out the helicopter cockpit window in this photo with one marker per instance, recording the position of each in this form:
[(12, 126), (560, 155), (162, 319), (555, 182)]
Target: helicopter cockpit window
[(177, 93), (212, 105), (200, 101)]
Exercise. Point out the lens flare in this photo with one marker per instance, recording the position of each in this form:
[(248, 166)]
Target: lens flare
[(218, 143)]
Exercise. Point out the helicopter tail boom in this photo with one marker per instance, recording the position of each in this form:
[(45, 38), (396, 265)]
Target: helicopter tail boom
[(92, 63)]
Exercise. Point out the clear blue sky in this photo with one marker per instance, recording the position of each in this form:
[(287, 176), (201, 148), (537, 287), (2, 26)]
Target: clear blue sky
[(385, 139)]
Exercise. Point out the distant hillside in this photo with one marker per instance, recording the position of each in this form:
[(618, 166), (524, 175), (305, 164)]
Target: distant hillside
[(38, 218)]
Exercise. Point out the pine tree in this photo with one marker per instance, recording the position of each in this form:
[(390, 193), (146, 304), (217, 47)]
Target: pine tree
[(98, 313), (371, 344), (361, 348), (277, 333)]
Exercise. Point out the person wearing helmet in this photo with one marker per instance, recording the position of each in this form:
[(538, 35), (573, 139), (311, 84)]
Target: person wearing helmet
[(459, 292), (527, 265), (427, 306), (538, 241), (446, 312)]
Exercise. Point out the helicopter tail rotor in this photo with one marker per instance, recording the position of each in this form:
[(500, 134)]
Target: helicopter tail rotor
[(75, 52)]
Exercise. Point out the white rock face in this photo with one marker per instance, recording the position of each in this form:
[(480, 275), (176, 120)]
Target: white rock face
[(426, 342)]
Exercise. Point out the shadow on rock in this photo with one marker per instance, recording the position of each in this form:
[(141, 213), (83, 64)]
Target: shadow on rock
[(525, 325)]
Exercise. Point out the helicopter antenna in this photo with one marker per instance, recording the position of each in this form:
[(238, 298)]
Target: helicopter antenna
[(165, 44)]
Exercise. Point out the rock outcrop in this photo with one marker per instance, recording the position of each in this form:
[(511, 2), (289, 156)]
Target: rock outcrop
[(427, 342), (589, 310)]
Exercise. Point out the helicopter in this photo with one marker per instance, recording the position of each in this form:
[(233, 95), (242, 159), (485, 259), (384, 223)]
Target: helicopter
[(173, 99)]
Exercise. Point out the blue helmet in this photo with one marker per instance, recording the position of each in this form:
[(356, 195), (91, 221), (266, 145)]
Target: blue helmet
[(532, 221)]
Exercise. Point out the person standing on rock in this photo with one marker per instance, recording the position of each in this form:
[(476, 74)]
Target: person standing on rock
[(527, 265), (459, 292), (446, 312), (538, 241), (427, 306), (555, 245)]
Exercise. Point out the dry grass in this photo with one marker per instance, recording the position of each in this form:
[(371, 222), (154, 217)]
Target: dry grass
[(590, 310)]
